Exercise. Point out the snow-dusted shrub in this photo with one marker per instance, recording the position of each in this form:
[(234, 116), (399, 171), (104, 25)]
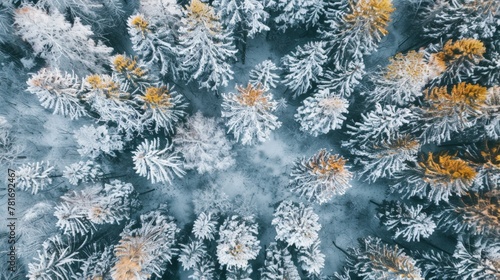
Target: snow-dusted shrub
[(97, 265), (278, 264), (34, 176), (145, 250), (203, 145), (376, 260), (354, 28), (111, 101), (402, 81), (297, 13), (211, 200), (95, 141), (54, 261), (409, 222), (446, 113), (237, 243), (234, 273), (322, 112), (387, 158), (82, 172), (58, 92), (158, 165), (162, 106), (245, 17), (304, 66), (249, 114), (343, 79), (436, 178), (264, 74), (382, 124), (296, 224), (80, 212), (311, 259), (62, 44), (204, 270), (476, 214), (320, 177), (204, 226), (206, 47), (153, 44)]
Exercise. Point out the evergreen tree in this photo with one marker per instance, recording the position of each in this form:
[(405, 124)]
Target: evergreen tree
[(59, 92), (82, 172), (320, 177), (249, 114), (297, 13), (63, 45), (322, 113), (34, 176), (206, 47), (145, 249), (278, 264), (158, 165), (304, 67), (95, 141), (264, 74), (311, 259)]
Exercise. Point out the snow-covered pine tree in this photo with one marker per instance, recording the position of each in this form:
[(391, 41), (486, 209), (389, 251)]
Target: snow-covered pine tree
[(264, 74), (322, 112), (145, 249), (354, 28), (153, 43), (63, 45), (249, 114), (487, 72), (158, 165), (320, 177), (82, 172), (297, 13), (376, 260), (34, 176), (456, 60), (476, 214), (81, 212), (446, 113), (163, 107), (111, 101), (477, 257), (58, 92), (6, 30), (304, 66), (237, 243), (409, 222), (343, 79), (402, 81), (97, 265), (311, 259), (203, 145), (100, 14), (437, 265), (192, 253), (130, 71), (204, 227), (387, 158), (54, 261), (296, 224), (245, 18), (95, 141), (436, 177), (486, 160), (461, 19), (206, 47), (384, 123), (164, 12), (278, 264)]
